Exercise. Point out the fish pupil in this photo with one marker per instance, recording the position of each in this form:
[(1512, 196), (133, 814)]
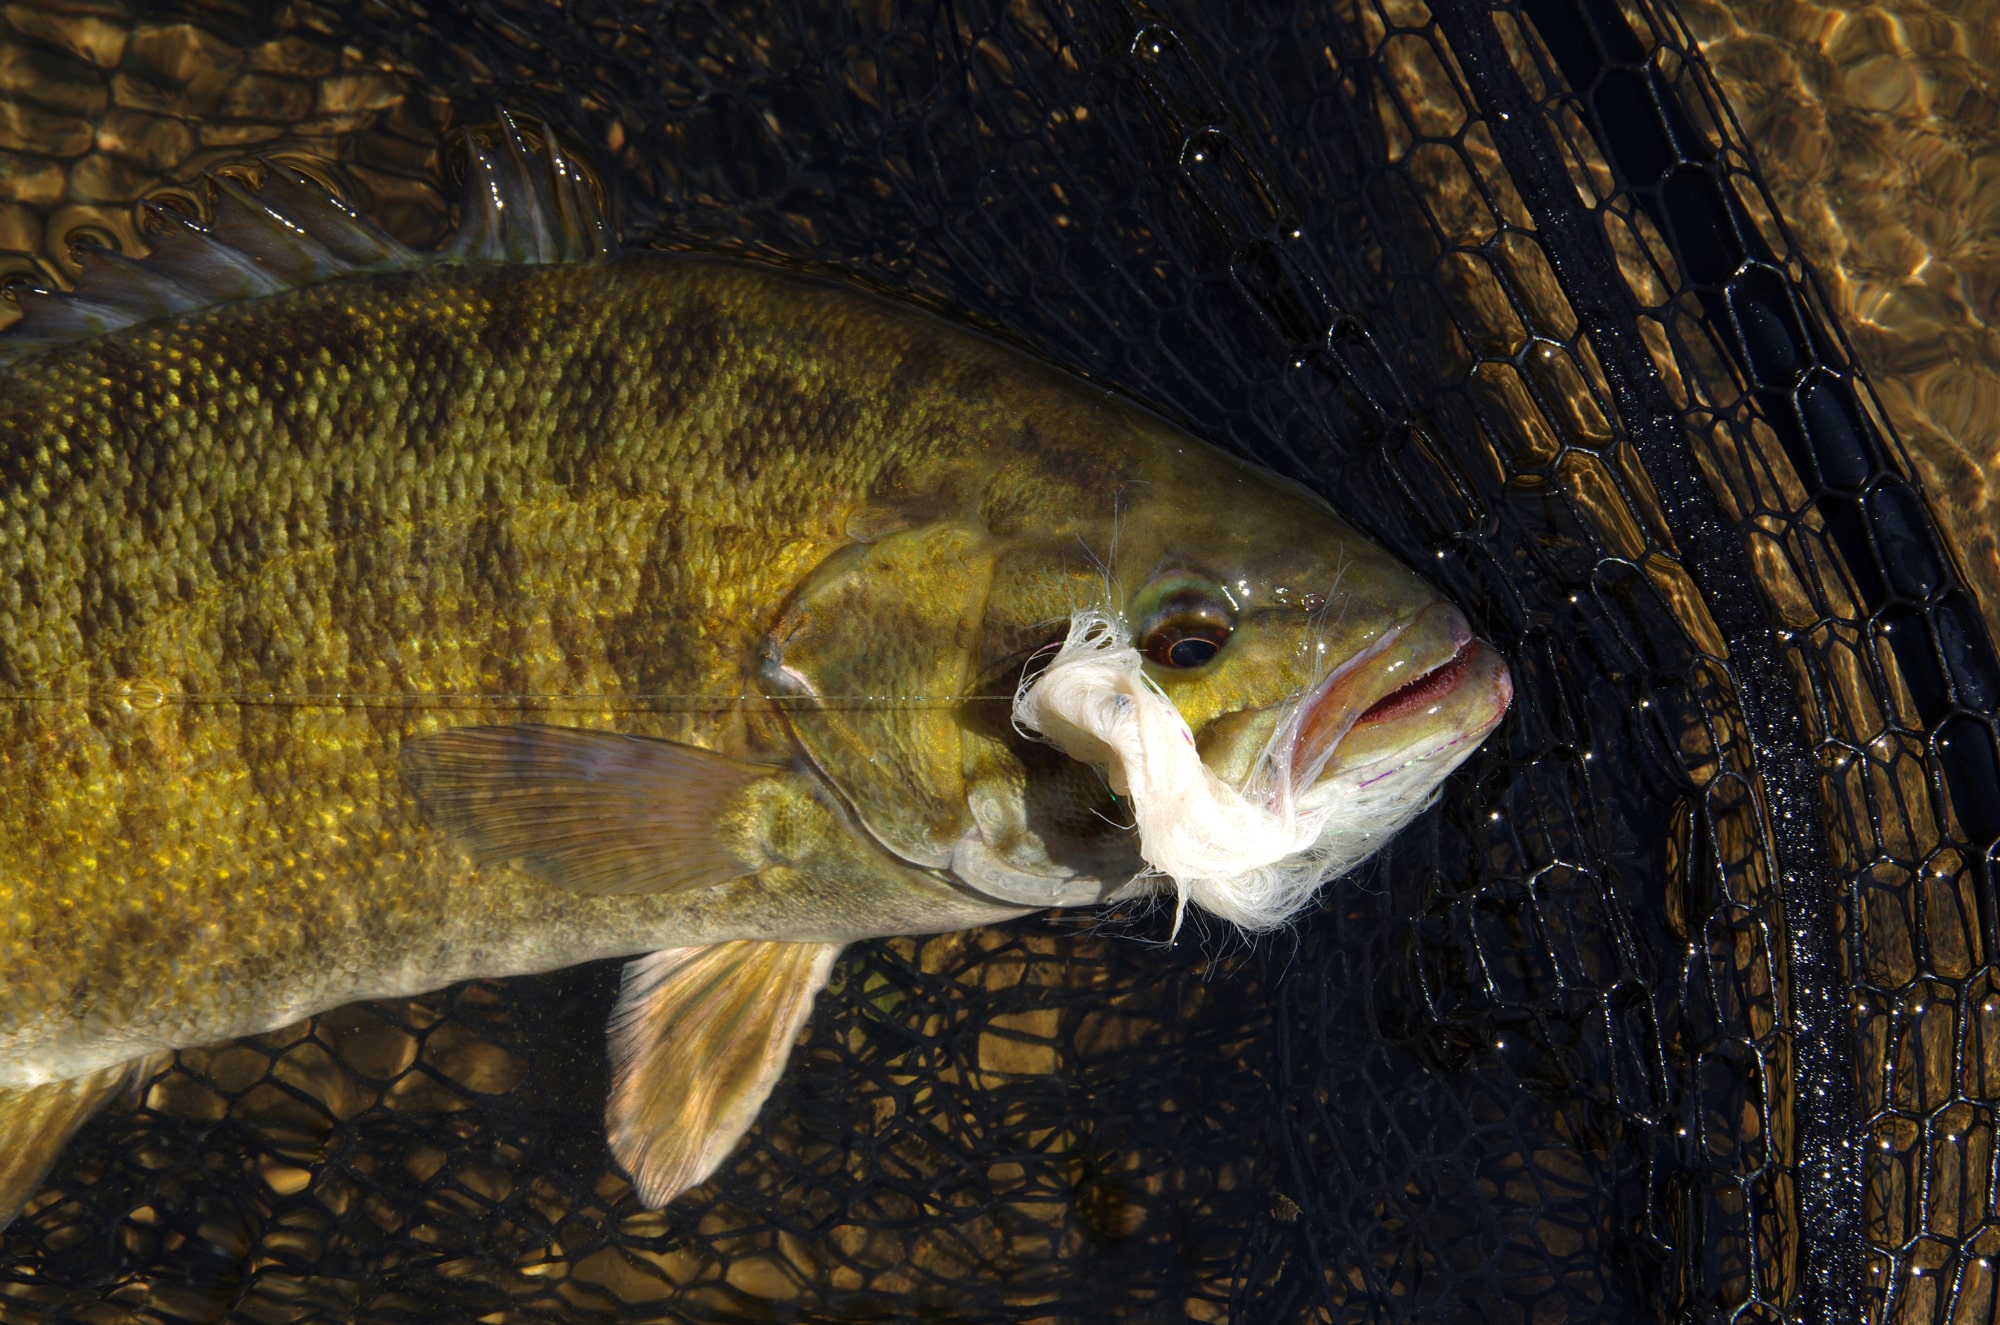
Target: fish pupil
[(1188, 628)]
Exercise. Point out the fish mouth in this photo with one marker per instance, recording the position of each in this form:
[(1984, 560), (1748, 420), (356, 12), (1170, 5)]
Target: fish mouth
[(1428, 689), (1421, 689)]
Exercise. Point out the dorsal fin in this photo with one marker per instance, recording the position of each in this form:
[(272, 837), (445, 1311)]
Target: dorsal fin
[(521, 205)]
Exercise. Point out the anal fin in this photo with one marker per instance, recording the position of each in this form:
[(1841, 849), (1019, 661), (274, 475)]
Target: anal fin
[(699, 1038), (36, 1122)]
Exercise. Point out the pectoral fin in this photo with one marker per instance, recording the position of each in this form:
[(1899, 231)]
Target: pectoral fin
[(699, 1038), (591, 811), (36, 1122)]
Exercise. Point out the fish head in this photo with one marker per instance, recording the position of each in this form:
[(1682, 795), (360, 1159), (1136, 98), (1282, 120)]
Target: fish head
[(1317, 675), (1299, 652), (1305, 660)]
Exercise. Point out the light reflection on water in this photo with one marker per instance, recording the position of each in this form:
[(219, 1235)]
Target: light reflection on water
[(1878, 133)]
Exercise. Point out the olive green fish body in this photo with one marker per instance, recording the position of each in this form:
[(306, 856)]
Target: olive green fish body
[(248, 554)]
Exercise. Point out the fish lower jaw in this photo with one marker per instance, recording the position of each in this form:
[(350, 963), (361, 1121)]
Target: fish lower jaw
[(1443, 713), (1408, 775), (1403, 776), (1418, 662)]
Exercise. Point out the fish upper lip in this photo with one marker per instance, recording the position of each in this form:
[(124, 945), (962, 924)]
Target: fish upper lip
[(1340, 701)]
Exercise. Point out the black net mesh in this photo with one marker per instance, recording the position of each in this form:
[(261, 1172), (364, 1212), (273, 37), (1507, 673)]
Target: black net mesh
[(1681, 1004)]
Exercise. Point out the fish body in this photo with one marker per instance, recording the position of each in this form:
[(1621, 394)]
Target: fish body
[(481, 618), (257, 553)]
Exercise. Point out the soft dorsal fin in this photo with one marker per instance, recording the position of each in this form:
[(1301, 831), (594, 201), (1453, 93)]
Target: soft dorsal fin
[(698, 1039), (589, 811), (36, 1122), (520, 206)]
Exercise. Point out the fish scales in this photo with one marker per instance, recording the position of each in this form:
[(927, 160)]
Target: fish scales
[(489, 486)]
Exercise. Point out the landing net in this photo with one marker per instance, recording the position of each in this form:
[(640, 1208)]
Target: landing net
[(1680, 1006)]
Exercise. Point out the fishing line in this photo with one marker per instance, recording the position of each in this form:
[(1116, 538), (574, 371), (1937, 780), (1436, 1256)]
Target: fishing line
[(139, 701)]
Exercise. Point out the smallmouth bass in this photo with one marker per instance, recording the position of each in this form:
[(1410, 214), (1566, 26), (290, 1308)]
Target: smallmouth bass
[(372, 621)]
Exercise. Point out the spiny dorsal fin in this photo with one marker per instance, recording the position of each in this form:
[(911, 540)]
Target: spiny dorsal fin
[(521, 205), (524, 208), (698, 1039)]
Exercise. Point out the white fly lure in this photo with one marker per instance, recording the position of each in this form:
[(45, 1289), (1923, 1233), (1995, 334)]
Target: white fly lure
[(1254, 853)]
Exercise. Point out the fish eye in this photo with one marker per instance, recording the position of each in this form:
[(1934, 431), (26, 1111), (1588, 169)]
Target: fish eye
[(1187, 630)]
